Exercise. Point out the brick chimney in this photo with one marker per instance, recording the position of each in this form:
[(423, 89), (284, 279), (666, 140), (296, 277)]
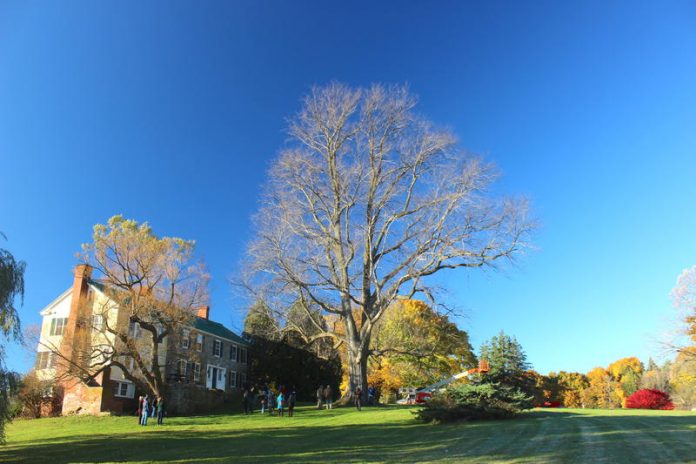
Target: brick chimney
[(82, 273), (203, 311)]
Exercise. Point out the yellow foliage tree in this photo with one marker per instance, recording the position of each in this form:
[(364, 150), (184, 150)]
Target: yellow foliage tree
[(415, 346)]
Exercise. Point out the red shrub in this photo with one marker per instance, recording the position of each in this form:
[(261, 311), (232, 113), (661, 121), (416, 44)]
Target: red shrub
[(649, 399)]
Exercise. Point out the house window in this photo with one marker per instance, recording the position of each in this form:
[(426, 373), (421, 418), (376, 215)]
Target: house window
[(58, 325), (98, 322), (243, 379), (124, 390), (233, 352), (182, 367), (134, 329), (185, 339), (44, 360), (196, 372), (217, 348), (199, 342), (233, 379), (243, 355)]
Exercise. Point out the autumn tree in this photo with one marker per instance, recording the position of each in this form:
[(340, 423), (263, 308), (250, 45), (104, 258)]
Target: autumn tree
[(11, 288), (682, 385), (368, 202), (35, 393), (628, 372), (603, 391), (572, 385), (152, 287), (415, 346)]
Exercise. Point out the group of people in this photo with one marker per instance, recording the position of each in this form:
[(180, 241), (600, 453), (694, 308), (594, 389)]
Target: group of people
[(150, 406), (325, 397), (271, 400), (281, 400)]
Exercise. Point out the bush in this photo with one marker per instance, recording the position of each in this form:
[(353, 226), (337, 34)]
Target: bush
[(475, 401), (649, 398)]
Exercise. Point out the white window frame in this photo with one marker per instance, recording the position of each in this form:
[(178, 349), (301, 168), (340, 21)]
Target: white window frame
[(217, 348), (184, 363), (130, 389), (199, 342), (196, 372), (185, 339), (233, 348), (233, 379), (56, 329), (98, 322), (44, 360)]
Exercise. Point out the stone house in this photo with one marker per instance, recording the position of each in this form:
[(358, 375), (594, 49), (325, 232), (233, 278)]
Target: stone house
[(204, 367)]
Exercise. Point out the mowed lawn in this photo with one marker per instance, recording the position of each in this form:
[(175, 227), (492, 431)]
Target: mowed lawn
[(388, 434)]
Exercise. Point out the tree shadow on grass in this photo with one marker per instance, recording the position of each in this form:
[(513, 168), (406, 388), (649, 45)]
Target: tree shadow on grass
[(387, 442)]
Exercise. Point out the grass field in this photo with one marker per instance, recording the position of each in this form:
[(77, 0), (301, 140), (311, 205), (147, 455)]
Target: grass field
[(374, 435)]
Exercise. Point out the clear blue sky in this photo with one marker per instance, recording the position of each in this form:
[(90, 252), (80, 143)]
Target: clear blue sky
[(171, 112)]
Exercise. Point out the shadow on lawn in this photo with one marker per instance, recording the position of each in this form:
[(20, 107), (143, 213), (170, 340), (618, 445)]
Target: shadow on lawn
[(405, 442)]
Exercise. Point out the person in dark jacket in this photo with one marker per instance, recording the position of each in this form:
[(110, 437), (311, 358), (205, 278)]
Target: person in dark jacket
[(291, 401), (160, 410), (358, 398)]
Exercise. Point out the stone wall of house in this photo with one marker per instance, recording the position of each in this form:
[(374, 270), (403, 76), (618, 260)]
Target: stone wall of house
[(79, 398)]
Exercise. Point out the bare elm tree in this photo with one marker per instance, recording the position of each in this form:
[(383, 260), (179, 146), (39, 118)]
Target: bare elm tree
[(367, 203)]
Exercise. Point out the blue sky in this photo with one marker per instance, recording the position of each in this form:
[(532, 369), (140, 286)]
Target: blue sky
[(171, 112)]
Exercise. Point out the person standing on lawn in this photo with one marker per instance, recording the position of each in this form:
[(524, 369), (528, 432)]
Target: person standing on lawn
[(145, 410), (320, 396), (358, 399), (281, 403), (328, 397), (291, 401), (160, 410), (139, 412), (245, 400)]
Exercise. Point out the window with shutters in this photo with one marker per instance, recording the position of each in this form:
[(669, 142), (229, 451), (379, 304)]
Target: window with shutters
[(217, 348), (196, 372), (182, 367), (233, 352), (233, 379), (185, 339)]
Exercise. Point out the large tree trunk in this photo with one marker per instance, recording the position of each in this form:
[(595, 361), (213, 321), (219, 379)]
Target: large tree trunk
[(357, 370)]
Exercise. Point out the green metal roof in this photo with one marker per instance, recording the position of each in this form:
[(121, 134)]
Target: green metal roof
[(215, 328)]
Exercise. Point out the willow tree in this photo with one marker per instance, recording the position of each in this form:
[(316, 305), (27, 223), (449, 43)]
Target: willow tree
[(369, 201), (11, 288)]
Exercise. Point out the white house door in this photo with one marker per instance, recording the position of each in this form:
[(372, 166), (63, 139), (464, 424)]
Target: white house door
[(216, 378)]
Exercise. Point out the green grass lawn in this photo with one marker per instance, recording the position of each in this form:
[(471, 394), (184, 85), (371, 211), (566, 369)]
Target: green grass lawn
[(374, 435)]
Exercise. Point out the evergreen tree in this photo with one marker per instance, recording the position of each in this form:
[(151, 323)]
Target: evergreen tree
[(508, 362)]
